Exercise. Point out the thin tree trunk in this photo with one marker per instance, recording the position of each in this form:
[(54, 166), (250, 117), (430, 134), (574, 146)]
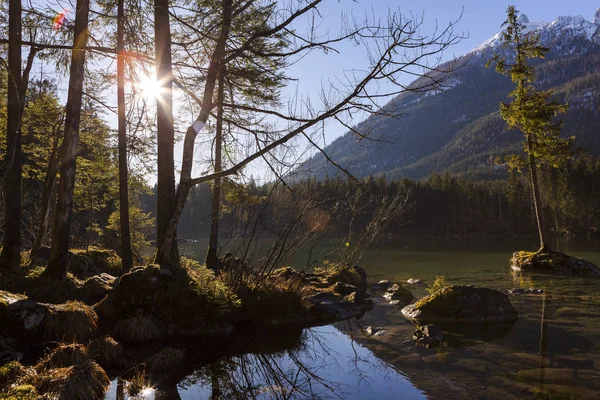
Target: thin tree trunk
[(165, 132), (57, 267), (536, 195), (49, 182), (126, 255), (169, 239), (11, 243), (212, 255)]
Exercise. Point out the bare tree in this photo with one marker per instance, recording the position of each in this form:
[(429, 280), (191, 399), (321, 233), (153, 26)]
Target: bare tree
[(394, 48)]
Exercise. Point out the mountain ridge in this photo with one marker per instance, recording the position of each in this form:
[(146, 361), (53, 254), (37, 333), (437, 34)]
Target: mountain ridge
[(458, 129)]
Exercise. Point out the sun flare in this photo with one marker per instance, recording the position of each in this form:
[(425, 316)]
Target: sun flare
[(150, 87)]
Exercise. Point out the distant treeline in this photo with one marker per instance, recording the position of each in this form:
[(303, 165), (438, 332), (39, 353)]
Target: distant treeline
[(442, 205)]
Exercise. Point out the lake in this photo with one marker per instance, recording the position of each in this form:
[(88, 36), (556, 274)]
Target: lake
[(550, 352)]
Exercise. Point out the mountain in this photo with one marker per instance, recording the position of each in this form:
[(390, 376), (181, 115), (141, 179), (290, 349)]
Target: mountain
[(459, 129)]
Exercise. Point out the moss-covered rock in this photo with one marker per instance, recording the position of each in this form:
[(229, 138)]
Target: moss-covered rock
[(461, 304), (97, 287), (552, 262), (185, 303), (105, 260), (34, 323)]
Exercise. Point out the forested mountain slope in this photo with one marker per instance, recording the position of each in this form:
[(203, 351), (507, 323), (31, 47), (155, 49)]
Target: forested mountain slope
[(459, 129)]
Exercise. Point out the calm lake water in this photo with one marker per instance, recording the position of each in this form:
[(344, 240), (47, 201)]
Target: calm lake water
[(551, 352)]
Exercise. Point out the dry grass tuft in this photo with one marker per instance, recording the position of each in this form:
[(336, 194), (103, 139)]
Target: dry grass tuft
[(165, 360), (84, 381), (137, 330), (107, 352), (138, 381), (64, 355), (70, 322)]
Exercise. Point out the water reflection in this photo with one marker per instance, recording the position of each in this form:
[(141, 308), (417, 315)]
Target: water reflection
[(326, 364)]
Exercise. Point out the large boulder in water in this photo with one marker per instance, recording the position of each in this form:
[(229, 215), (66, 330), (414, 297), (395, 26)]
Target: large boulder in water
[(552, 262), (461, 304), (327, 307)]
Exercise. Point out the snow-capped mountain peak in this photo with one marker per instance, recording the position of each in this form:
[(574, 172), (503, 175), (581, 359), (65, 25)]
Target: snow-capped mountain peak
[(564, 34)]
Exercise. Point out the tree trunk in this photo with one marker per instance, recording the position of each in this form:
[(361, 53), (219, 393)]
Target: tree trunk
[(166, 134), (11, 243), (49, 182), (212, 255), (57, 267), (537, 204), (126, 255), (168, 242)]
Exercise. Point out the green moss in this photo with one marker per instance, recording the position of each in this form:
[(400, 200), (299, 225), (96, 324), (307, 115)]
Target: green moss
[(195, 296), (438, 300), (438, 284), (333, 273), (105, 260), (10, 372), (21, 392), (42, 289)]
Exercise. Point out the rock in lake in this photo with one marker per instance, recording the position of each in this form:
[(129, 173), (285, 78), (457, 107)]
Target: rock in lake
[(413, 281), (328, 307), (429, 336), (552, 262), (398, 292), (461, 304), (344, 289), (381, 285)]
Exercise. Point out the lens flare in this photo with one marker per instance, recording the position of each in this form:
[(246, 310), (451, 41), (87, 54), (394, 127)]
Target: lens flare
[(59, 19)]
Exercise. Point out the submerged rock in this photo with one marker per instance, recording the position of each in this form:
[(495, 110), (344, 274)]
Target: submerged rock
[(552, 262), (398, 292), (429, 336), (461, 304)]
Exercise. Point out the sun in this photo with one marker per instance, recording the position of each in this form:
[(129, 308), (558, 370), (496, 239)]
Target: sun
[(150, 87)]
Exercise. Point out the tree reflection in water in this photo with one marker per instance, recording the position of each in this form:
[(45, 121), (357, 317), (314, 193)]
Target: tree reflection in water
[(326, 364)]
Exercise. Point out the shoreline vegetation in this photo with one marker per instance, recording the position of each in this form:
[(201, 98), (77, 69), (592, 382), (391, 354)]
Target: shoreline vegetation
[(67, 337)]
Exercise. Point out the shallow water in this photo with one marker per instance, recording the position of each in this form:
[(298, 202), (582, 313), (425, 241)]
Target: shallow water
[(327, 365), (550, 352)]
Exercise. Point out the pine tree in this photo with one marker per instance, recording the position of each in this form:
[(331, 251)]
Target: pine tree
[(531, 111)]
